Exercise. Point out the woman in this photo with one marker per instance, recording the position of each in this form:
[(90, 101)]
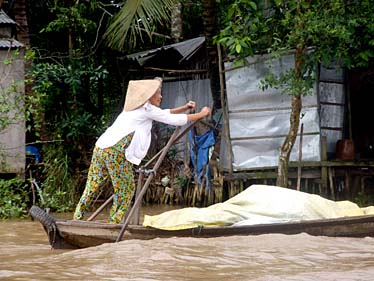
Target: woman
[(126, 142)]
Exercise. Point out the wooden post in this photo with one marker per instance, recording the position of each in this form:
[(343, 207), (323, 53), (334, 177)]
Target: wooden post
[(331, 179), (347, 187), (136, 217), (225, 112), (300, 157), (349, 109), (31, 179), (324, 169)]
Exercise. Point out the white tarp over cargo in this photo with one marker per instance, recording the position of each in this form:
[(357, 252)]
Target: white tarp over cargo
[(258, 204)]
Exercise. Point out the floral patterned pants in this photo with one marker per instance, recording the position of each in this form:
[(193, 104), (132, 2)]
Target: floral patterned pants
[(109, 162)]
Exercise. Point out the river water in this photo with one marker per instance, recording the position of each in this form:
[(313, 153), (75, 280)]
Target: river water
[(26, 255)]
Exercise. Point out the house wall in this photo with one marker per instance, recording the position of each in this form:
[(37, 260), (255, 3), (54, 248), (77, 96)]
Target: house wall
[(12, 138), (259, 120), (331, 93)]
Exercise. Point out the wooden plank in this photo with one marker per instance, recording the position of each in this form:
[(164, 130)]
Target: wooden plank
[(313, 174)]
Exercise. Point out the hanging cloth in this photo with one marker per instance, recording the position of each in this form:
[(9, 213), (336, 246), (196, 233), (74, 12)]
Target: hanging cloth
[(201, 146)]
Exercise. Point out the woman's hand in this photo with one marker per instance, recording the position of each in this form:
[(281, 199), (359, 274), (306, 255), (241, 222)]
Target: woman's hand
[(206, 111), (191, 105)]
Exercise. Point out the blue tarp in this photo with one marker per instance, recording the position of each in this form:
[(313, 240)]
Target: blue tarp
[(32, 150)]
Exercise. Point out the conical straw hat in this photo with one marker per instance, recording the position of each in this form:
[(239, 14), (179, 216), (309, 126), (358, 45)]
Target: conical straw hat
[(139, 91)]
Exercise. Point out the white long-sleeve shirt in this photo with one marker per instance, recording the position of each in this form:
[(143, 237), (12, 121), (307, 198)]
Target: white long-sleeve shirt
[(138, 121)]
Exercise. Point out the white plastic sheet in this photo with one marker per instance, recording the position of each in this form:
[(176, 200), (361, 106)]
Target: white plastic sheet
[(258, 204)]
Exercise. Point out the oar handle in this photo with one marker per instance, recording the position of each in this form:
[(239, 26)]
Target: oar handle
[(176, 139)]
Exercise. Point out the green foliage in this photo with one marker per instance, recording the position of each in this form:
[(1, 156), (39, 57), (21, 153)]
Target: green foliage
[(336, 30), (72, 95), (136, 17), (70, 18), (13, 198), (192, 19), (363, 200), (59, 186), (62, 106), (245, 29), (289, 83), (58, 97), (183, 181)]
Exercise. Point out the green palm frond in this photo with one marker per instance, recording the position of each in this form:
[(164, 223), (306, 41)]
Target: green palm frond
[(135, 17)]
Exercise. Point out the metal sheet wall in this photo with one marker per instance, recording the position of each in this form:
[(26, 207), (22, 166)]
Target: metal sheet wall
[(178, 93), (259, 120)]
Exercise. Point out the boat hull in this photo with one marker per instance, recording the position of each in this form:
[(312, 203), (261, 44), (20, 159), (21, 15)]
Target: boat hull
[(69, 234)]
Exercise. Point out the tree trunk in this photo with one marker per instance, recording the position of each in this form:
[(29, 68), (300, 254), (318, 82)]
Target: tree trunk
[(176, 22), (210, 30), (285, 150)]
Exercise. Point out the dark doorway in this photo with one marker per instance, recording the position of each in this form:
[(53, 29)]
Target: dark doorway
[(361, 90)]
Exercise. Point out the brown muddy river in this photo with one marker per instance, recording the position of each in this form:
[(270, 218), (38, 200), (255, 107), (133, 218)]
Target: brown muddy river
[(26, 255)]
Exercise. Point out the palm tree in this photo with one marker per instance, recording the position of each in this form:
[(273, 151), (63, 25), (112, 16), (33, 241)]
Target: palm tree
[(176, 22), (135, 18)]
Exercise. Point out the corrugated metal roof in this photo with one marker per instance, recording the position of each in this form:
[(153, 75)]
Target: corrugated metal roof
[(4, 19), (183, 51), (6, 43)]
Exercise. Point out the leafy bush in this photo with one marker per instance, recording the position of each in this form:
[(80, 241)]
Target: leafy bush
[(14, 198), (58, 187)]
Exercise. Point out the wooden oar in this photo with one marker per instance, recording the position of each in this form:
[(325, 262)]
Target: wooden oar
[(101, 208), (109, 200), (139, 199), (175, 140)]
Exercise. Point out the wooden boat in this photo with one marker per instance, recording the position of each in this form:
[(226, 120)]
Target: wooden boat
[(70, 234)]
